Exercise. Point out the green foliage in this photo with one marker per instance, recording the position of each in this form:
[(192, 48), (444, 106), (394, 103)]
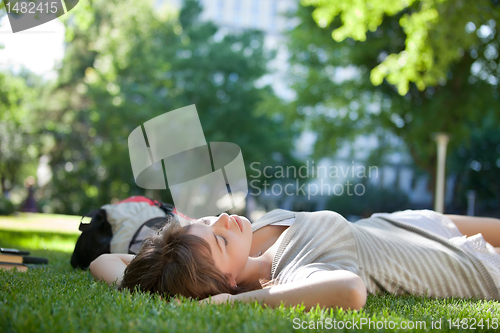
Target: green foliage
[(373, 200), (336, 99), (6, 206), (60, 299), (127, 62), (3, 12), (477, 165), (435, 38), (18, 126)]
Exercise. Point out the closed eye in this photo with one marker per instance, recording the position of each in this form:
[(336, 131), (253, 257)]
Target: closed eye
[(207, 222), (224, 238)]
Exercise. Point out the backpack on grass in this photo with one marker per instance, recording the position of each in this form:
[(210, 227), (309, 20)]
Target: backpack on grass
[(119, 228)]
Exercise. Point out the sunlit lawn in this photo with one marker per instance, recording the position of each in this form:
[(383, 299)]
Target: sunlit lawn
[(59, 299)]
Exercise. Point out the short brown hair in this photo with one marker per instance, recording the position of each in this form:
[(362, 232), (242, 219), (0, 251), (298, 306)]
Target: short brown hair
[(174, 262)]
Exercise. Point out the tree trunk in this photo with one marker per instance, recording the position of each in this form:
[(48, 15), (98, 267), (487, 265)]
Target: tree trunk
[(2, 184)]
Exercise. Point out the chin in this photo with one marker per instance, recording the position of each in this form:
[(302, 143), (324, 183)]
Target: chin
[(243, 218)]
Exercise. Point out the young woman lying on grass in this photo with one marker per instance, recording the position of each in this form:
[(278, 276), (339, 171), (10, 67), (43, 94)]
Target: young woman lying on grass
[(314, 258)]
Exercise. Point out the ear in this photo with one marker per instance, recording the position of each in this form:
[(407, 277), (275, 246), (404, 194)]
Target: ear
[(232, 280)]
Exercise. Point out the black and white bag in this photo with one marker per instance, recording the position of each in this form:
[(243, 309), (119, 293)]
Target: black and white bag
[(119, 228)]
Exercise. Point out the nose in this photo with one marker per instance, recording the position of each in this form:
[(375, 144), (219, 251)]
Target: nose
[(223, 221)]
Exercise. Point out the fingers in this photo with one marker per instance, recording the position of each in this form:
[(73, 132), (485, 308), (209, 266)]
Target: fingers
[(217, 299)]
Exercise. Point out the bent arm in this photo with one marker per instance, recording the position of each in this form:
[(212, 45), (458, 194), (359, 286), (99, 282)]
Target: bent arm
[(109, 267), (325, 288)]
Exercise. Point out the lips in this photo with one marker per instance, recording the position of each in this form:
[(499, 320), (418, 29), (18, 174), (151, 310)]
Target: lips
[(238, 222)]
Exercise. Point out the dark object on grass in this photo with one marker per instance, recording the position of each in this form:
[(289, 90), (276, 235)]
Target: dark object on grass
[(10, 266), (35, 260), (16, 259), (93, 241), (14, 251), (97, 235), (20, 259)]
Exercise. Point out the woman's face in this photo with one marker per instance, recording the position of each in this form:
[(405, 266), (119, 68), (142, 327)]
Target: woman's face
[(230, 239)]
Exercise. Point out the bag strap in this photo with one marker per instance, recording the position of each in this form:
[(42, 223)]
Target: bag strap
[(166, 208), (150, 223), (94, 223)]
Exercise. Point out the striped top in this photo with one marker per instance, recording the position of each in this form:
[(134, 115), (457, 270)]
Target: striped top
[(389, 256)]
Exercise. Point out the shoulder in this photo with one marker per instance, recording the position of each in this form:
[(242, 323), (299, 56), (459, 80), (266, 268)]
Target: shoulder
[(276, 213), (326, 217)]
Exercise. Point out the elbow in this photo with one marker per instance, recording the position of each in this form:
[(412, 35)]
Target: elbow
[(357, 294), (95, 265), (95, 262)]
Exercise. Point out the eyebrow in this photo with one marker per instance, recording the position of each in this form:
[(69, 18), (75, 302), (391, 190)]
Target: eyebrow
[(215, 236)]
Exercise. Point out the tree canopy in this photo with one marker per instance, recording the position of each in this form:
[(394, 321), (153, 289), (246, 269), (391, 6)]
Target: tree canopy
[(336, 99), (434, 34)]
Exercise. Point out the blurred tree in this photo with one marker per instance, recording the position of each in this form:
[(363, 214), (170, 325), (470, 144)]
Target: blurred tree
[(2, 14), (335, 98), (127, 62), (374, 200), (476, 162), (434, 39), (2, 10), (18, 142)]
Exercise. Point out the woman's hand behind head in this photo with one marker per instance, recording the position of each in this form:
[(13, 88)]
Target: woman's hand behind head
[(218, 299)]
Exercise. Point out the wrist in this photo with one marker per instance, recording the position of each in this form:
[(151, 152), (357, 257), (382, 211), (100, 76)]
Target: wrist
[(247, 297)]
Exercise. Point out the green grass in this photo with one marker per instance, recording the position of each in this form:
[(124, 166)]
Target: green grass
[(60, 299)]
